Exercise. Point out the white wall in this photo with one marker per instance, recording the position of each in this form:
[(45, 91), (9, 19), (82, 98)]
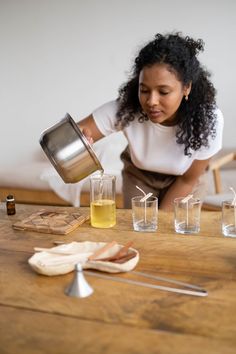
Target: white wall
[(59, 56)]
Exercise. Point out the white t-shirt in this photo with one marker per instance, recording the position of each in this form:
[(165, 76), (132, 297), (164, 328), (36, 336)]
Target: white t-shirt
[(153, 146)]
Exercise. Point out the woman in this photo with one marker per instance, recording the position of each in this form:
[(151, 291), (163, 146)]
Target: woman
[(167, 111)]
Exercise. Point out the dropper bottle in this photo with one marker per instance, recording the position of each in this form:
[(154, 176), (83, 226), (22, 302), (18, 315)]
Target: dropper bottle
[(10, 204)]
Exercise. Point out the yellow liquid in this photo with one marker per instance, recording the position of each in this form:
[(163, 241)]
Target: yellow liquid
[(103, 213)]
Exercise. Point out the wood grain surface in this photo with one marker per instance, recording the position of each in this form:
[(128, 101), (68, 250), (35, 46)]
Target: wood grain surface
[(119, 317)]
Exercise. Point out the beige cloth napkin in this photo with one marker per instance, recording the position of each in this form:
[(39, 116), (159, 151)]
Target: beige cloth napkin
[(50, 264)]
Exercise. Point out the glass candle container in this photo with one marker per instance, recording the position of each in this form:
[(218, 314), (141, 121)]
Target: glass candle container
[(102, 200)]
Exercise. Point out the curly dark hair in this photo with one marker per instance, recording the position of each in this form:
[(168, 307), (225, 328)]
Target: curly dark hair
[(196, 117)]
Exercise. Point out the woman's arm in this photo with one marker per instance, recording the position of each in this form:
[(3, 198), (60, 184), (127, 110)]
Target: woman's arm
[(184, 184), (90, 129)]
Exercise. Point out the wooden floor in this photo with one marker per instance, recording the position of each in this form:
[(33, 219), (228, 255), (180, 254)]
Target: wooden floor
[(43, 197), (46, 197)]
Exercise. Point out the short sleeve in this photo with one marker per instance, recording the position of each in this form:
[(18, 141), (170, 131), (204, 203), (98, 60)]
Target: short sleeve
[(215, 144), (105, 117)]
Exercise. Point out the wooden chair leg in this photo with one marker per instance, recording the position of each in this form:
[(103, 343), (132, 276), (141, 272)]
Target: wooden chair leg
[(217, 181)]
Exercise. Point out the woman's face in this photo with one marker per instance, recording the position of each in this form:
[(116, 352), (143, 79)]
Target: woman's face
[(160, 93)]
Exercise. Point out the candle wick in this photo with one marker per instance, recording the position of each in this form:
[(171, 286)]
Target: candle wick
[(146, 197), (141, 190), (186, 199), (234, 199)]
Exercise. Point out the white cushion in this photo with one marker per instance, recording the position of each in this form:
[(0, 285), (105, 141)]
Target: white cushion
[(217, 199), (26, 176)]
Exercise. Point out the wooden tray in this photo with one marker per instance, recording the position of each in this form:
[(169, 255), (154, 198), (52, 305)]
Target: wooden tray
[(52, 222)]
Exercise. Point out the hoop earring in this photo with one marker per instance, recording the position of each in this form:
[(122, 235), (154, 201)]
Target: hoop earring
[(186, 97)]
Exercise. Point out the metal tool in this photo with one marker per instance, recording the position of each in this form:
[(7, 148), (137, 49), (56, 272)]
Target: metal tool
[(79, 286), (196, 290)]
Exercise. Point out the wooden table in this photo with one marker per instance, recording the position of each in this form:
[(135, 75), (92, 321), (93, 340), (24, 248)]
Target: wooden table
[(37, 317)]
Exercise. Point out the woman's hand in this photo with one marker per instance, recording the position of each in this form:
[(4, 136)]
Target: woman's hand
[(87, 135), (184, 184), (90, 129)]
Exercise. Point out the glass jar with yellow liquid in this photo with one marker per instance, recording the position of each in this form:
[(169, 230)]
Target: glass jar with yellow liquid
[(102, 200)]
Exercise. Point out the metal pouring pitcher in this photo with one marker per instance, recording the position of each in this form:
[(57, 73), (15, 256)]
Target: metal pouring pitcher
[(69, 151)]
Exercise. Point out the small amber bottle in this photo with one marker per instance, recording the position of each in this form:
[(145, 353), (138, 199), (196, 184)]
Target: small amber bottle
[(10, 204)]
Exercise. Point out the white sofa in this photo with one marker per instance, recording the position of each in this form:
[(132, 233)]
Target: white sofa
[(36, 181)]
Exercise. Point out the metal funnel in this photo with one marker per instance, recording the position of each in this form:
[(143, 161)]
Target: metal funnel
[(79, 286)]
